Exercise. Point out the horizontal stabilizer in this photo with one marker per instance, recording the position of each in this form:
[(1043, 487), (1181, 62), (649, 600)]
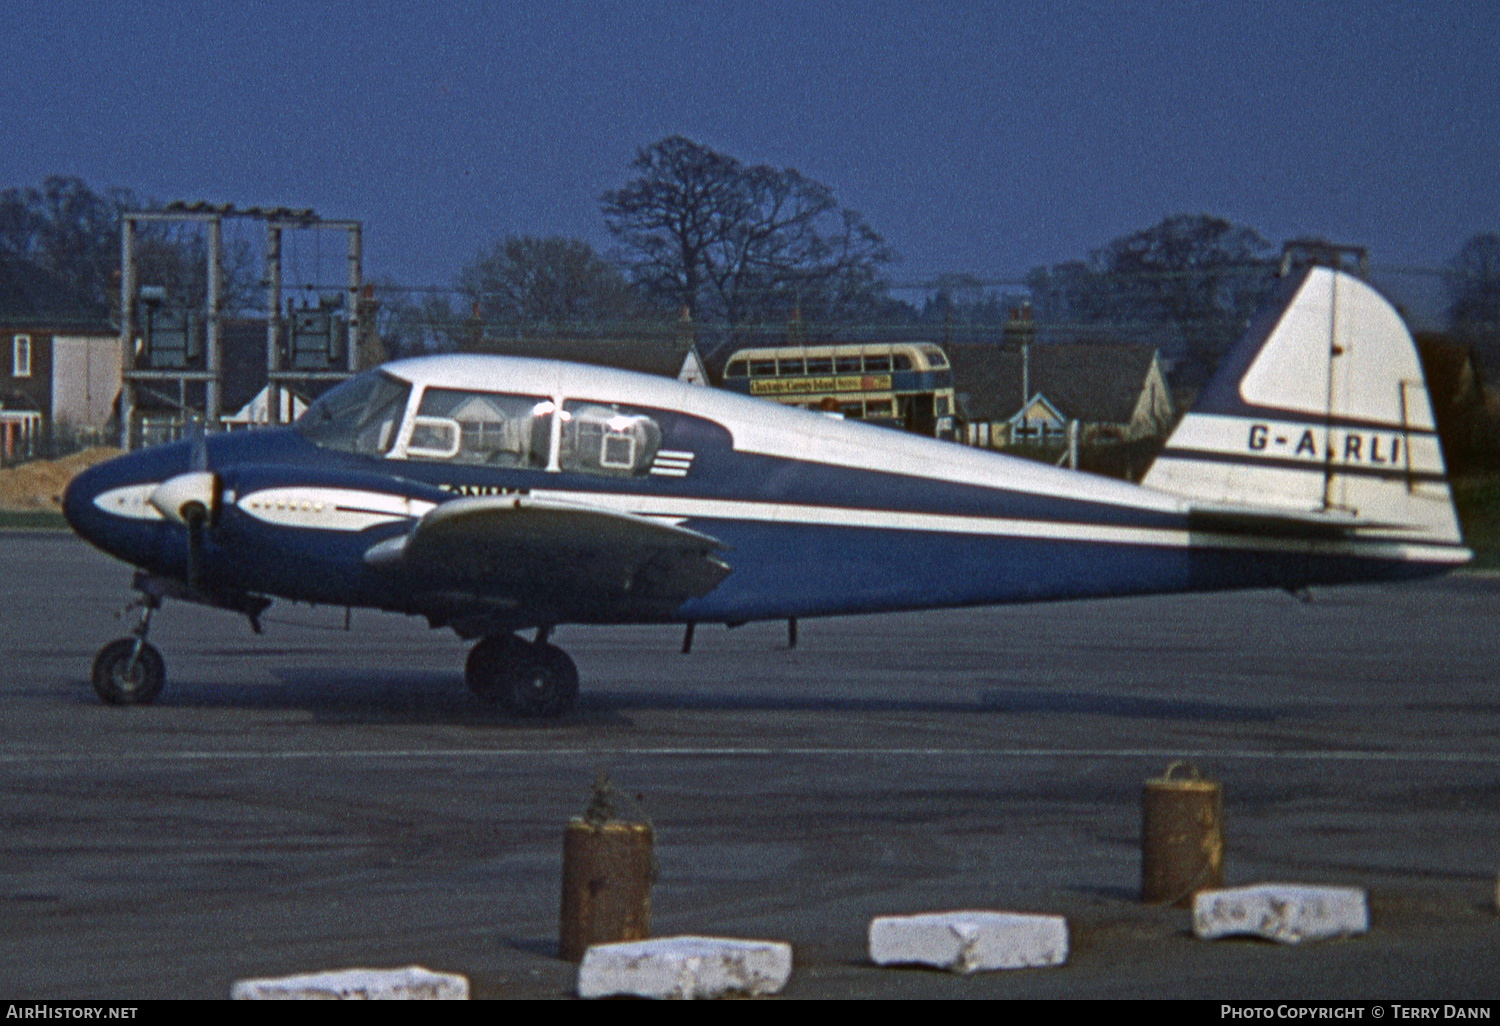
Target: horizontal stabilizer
[(1252, 520)]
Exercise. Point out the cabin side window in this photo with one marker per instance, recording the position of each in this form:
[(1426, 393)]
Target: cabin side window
[(488, 428), (607, 439)]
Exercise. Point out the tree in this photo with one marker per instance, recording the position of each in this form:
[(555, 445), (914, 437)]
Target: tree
[(74, 232), (681, 203), (174, 257), (545, 281), (413, 324), (1190, 283), (67, 228), (1472, 279), (1202, 274), (703, 232)]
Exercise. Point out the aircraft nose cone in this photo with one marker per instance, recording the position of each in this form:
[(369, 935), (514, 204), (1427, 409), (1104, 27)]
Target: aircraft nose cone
[(107, 505), (78, 499)]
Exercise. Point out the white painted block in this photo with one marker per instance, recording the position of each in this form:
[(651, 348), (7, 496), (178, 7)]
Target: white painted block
[(684, 967), (1288, 913), (410, 984), (970, 942)]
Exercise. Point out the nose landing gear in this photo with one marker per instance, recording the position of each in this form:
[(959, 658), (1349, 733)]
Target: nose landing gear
[(131, 671)]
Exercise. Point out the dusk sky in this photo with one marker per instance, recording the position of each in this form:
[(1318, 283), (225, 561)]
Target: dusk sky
[(985, 138)]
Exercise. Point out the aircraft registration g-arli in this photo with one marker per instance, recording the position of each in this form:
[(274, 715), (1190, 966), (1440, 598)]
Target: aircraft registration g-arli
[(495, 495)]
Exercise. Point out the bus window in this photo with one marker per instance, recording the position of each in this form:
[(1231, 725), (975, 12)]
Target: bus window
[(877, 364), (762, 368), (901, 361), (607, 440), (791, 365), (936, 358), (848, 364), (736, 369), (876, 408), (823, 365)]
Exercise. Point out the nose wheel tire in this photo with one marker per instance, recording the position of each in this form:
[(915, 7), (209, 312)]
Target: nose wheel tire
[(124, 676), (531, 680)]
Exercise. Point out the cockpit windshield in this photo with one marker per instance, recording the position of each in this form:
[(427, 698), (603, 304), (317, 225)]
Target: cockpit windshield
[(363, 415)]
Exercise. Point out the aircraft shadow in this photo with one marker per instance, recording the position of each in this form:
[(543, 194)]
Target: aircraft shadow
[(1126, 707), (439, 697), (985, 703)]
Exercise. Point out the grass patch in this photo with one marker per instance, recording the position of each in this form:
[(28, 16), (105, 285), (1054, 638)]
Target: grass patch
[(1478, 500), (38, 520)]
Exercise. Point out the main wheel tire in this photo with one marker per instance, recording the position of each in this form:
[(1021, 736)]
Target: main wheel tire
[(121, 677), (530, 680), (489, 662), (543, 683)]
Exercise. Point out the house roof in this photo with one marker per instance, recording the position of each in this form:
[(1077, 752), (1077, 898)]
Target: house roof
[(34, 297), (1092, 383)]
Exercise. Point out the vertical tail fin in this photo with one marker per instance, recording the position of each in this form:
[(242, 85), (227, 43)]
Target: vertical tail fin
[(1320, 413)]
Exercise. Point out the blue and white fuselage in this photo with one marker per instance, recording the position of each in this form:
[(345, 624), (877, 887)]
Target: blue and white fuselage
[(491, 494)]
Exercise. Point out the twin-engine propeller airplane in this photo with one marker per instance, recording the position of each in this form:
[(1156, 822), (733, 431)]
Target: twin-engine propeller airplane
[(494, 495)]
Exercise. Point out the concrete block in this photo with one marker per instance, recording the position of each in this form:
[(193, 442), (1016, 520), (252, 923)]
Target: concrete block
[(1288, 913), (684, 967), (970, 942), (410, 984)]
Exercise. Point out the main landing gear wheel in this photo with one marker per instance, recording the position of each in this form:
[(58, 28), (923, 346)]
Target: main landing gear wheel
[(124, 675), (531, 679)]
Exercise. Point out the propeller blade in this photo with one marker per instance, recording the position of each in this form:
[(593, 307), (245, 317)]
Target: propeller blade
[(198, 456), (195, 512), (196, 517)]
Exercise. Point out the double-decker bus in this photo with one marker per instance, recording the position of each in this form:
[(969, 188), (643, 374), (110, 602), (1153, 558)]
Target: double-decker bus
[(901, 384)]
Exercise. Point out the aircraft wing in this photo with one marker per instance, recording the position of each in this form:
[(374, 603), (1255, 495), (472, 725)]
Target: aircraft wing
[(579, 560)]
